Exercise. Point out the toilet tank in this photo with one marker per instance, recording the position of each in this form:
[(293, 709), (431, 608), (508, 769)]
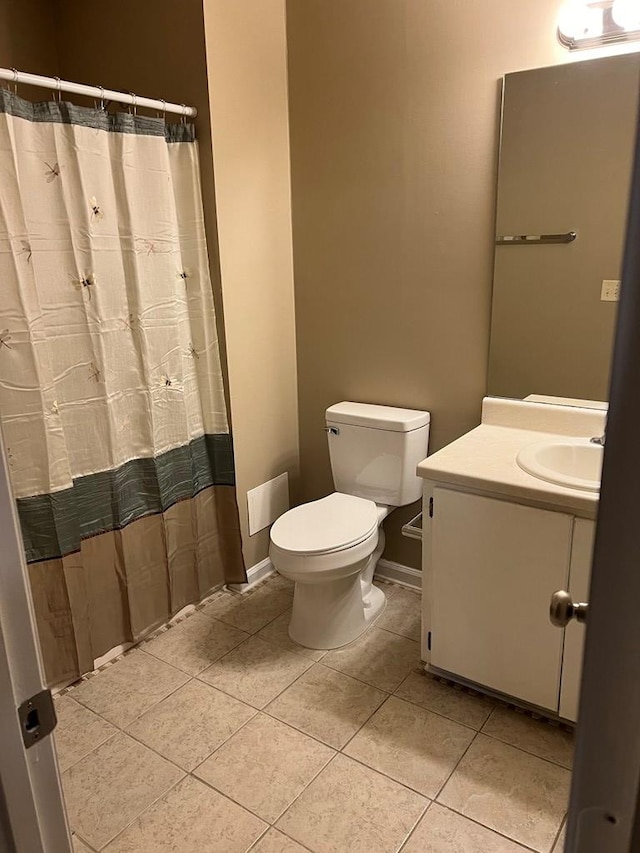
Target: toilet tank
[(375, 451)]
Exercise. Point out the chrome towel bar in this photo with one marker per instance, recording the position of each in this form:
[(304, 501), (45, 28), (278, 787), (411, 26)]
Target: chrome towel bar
[(535, 239)]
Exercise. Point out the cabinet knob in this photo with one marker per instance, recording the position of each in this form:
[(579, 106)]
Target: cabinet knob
[(562, 609)]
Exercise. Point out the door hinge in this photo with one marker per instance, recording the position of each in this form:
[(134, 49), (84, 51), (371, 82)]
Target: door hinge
[(429, 641), (430, 507), (37, 718)]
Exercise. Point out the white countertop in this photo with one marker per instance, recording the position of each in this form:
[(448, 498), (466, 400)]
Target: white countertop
[(485, 458)]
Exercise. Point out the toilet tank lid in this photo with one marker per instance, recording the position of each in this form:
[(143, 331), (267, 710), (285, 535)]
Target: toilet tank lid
[(377, 417)]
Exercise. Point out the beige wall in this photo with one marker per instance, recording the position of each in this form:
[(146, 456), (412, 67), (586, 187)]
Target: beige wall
[(568, 137), (246, 55), (394, 119), (28, 39)]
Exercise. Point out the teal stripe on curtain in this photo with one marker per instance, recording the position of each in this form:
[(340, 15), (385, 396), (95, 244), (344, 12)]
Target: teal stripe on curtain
[(64, 112), (54, 524)]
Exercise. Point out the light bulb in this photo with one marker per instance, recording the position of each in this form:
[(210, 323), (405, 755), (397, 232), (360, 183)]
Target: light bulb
[(577, 20), (626, 14)]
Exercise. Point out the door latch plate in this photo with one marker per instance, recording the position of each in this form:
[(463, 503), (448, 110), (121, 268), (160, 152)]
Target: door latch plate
[(37, 718)]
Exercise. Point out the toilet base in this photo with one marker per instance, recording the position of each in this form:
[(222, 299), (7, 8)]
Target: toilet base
[(334, 614)]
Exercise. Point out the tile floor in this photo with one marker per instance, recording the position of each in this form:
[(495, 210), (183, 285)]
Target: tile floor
[(220, 734)]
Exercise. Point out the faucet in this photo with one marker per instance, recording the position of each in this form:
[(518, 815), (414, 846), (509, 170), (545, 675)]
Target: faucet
[(600, 439)]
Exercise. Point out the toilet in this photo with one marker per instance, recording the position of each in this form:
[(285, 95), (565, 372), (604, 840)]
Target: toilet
[(330, 547)]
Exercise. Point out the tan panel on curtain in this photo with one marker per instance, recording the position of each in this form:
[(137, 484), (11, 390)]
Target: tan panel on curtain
[(147, 584), (180, 537), (229, 538), (124, 584), (106, 592), (75, 575), (224, 529), (53, 620)]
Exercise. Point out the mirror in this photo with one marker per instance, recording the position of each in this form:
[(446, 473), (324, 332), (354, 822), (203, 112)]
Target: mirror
[(567, 142)]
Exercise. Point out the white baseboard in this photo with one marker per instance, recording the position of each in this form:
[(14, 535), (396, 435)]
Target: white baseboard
[(255, 574), (397, 573), (386, 570)]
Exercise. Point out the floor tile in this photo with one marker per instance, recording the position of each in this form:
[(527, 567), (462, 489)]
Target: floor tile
[(196, 643), (559, 845), (276, 581), (129, 687), (256, 672), (327, 704), (189, 818), (277, 632), (131, 794), (111, 786), (78, 846), (276, 842), (249, 611), (265, 766), (379, 658), (508, 790), (444, 831), (403, 613), (343, 808), (535, 736), (412, 745), (187, 726), (79, 731), (453, 702)]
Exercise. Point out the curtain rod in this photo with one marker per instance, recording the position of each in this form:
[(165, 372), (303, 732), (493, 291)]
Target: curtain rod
[(55, 83)]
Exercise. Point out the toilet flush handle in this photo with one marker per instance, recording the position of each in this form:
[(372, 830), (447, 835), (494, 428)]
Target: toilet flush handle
[(332, 430)]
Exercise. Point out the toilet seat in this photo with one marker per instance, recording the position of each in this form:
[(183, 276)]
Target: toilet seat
[(335, 523)]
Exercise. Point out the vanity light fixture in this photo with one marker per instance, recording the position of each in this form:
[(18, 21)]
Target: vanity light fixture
[(626, 14), (594, 23)]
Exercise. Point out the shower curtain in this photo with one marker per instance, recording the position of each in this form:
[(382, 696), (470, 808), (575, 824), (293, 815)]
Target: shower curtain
[(111, 396)]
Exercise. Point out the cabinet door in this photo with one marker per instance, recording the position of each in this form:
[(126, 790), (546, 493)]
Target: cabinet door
[(579, 576), (495, 566)]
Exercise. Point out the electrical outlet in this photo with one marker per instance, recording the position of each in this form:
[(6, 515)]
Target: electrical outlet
[(610, 291)]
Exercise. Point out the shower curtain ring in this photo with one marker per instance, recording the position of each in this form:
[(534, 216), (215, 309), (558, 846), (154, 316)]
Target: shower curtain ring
[(100, 104), (58, 89), (163, 114), (183, 117), (15, 81)]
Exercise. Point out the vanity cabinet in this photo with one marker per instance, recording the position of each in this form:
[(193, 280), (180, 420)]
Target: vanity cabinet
[(493, 566)]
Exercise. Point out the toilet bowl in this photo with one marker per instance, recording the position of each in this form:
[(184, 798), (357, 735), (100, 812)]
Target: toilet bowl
[(330, 547)]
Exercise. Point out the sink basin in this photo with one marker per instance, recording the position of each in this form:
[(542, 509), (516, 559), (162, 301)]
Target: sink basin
[(575, 463)]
